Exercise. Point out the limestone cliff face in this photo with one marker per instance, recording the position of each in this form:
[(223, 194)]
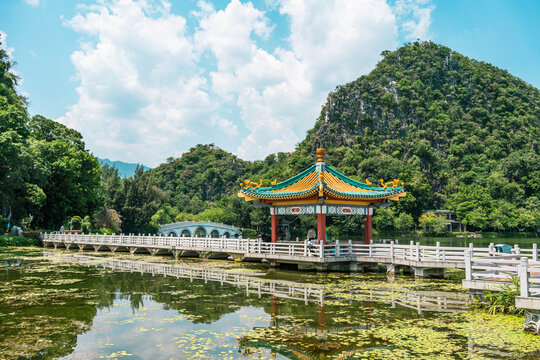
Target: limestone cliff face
[(426, 91)]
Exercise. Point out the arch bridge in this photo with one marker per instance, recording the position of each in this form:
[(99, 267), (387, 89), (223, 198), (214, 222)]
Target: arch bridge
[(200, 229)]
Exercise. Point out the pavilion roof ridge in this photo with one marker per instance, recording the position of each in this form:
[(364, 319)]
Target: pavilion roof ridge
[(288, 182), (357, 183), (319, 180)]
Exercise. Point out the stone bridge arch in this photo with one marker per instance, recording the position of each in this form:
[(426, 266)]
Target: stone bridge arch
[(200, 229)]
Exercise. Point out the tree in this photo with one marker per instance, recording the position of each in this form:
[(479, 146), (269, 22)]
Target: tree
[(384, 218), (113, 187), (472, 204), (404, 222), (433, 223), (75, 223), (107, 219), (142, 200), (73, 181), (165, 215)]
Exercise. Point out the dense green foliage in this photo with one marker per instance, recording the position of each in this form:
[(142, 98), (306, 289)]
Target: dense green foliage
[(135, 199), (18, 241), (44, 169), (462, 134)]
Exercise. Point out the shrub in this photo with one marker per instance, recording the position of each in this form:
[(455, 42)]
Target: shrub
[(18, 241), (503, 301), (249, 234), (76, 223)]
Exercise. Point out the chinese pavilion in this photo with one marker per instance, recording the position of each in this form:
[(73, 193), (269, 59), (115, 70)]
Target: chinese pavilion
[(323, 191)]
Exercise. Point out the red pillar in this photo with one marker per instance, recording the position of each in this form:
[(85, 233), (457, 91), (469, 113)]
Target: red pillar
[(321, 227), (274, 312), (322, 331), (275, 226), (367, 229)]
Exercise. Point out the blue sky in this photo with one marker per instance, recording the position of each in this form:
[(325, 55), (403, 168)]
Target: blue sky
[(145, 80)]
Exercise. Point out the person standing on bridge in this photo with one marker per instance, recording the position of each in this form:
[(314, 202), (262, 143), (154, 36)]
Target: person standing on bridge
[(287, 234), (311, 238), (311, 234)]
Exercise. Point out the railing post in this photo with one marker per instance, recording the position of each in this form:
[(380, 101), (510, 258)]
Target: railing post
[(417, 251), (321, 249), (523, 275), (535, 252), (517, 249), (391, 249), (468, 265), (491, 249), (411, 249), (438, 250), (305, 247), (338, 249), (471, 248), (350, 247)]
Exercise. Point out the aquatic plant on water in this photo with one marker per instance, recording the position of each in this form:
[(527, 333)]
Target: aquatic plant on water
[(502, 301)]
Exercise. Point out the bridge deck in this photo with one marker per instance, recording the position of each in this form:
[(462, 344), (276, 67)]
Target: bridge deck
[(413, 255)]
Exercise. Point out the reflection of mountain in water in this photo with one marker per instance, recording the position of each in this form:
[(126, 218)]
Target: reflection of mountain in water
[(307, 320)]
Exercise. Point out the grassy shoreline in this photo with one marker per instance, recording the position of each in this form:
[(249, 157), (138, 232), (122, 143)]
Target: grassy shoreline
[(8, 240)]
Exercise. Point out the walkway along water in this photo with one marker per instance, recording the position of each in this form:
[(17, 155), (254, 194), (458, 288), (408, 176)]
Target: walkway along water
[(484, 269)]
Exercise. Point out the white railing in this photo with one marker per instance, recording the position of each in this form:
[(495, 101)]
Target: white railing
[(529, 278), (345, 250), (502, 270), (421, 300)]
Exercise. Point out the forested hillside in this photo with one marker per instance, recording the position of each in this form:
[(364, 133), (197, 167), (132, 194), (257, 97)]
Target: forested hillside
[(46, 174), (461, 133)]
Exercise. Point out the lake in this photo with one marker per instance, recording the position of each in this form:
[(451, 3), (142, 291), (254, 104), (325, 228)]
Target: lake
[(70, 305)]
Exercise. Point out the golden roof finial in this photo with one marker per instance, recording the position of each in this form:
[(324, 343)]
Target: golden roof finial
[(320, 155)]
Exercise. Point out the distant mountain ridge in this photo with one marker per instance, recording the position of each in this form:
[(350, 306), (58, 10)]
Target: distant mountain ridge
[(125, 170)]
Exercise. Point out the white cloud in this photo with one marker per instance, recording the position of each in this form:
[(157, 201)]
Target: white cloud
[(140, 93), (280, 93), (414, 17), (9, 51), (148, 91), (227, 126), (33, 3), (341, 39), (3, 45)]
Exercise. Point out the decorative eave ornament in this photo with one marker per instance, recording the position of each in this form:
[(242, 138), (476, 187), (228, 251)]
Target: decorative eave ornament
[(320, 181)]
